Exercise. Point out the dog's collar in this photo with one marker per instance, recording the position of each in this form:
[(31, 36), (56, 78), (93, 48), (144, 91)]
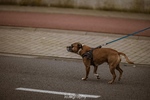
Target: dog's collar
[(80, 49)]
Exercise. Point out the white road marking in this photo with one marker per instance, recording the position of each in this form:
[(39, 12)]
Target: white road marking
[(66, 94)]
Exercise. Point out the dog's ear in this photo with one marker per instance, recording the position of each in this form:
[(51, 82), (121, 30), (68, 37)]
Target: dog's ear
[(80, 45)]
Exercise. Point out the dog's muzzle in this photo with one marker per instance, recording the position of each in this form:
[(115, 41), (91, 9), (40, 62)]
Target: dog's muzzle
[(69, 48)]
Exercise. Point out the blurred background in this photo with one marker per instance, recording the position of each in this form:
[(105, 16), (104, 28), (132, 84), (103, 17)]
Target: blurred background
[(142, 6)]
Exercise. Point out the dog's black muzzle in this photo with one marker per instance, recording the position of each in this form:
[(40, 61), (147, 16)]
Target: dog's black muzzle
[(69, 48)]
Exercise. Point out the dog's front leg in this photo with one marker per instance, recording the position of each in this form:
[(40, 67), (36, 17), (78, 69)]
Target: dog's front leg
[(87, 67), (87, 72)]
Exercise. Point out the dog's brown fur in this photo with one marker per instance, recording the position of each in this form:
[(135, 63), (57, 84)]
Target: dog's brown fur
[(100, 55)]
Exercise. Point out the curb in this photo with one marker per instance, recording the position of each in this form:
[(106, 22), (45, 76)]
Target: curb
[(63, 58)]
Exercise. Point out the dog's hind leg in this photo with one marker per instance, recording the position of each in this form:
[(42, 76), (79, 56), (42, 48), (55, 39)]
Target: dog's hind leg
[(95, 72), (118, 68), (120, 71), (115, 60), (112, 70)]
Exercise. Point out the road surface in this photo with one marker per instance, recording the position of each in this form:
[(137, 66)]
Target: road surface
[(56, 79)]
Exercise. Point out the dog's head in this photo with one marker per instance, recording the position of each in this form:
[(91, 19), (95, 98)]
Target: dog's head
[(75, 47)]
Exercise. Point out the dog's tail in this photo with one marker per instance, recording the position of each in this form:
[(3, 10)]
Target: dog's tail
[(130, 62)]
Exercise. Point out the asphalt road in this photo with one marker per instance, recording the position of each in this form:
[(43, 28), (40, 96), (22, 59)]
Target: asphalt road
[(74, 22), (61, 75)]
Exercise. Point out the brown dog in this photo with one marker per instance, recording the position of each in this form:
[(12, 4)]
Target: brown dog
[(98, 56)]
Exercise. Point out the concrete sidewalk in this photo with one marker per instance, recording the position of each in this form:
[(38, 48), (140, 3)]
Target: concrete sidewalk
[(52, 43)]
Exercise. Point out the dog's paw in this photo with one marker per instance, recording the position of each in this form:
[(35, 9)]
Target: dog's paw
[(84, 79), (110, 82)]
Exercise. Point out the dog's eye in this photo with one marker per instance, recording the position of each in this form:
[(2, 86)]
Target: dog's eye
[(72, 46)]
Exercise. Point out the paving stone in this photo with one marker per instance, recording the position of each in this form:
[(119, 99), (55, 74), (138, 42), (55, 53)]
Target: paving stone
[(28, 41)]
